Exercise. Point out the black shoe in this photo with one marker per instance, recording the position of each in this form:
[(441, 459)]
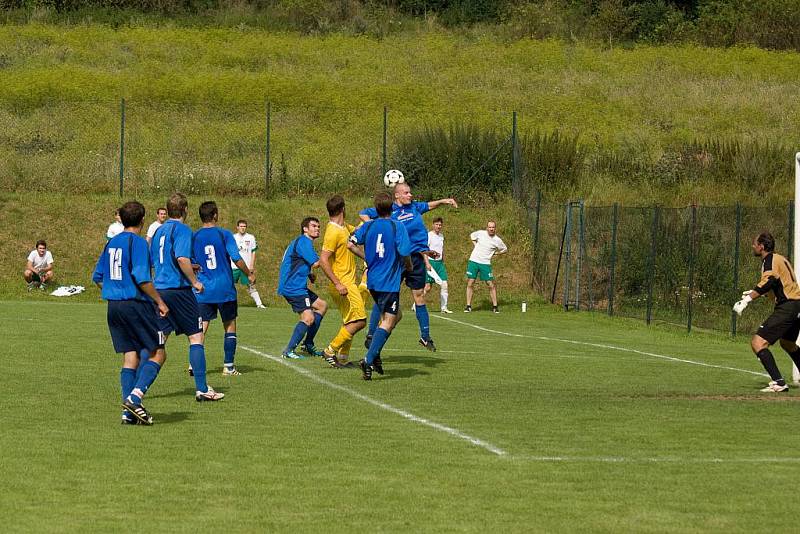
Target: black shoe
[(138, 411), (368, 341), (333, 361), (467, 309), (190, 371), (495, 310), (377, 365), (366, 370), (428, 344)]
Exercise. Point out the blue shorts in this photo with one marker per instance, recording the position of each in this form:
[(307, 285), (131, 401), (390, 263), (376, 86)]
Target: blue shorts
[(301, 303), (228, 311), (184, 313), (387, 301), (415, 278), (133, 325)]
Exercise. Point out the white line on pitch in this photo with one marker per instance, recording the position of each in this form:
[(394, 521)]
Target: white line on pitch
[(604, 346), (389, 408), (665, 460)]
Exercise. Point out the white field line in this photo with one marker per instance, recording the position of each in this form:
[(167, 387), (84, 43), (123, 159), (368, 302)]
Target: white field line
[(604, 346), (664, 460), (383, 406)]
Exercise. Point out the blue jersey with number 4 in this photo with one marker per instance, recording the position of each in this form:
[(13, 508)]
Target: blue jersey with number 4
[(213, 249), (123, 265), (385, 244), (172, 240), (411, 217)]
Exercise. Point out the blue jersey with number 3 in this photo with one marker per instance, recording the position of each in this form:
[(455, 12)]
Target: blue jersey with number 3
[(123, 265), (213, 249), (385, 244)]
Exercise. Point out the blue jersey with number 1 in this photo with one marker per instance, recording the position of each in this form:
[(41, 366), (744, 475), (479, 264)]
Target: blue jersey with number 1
[(172, 240), (122, 266), (385, 243), (213, 249)]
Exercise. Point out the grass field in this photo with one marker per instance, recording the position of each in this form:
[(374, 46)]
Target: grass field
[(538, 422)]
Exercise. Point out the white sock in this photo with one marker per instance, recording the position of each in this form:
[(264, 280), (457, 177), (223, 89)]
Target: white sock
[(256, 296), (443, 295)]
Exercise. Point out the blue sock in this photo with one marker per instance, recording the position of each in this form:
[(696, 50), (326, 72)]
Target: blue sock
[(379, 339), (229, 346), (374, 319), (144, 355), (424, 322), (145, 379), (197, 359), (299, 333), (127, 379), (312, 330)]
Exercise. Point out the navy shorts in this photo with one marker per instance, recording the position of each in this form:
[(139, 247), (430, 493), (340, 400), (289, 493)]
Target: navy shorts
[(184, 313), (133, 325), (228, 311), (386, 301), (415, 278), (301, 303)]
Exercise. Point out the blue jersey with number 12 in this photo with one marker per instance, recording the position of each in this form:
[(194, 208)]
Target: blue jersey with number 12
[(385, 244), (213, 249), (122, 266)]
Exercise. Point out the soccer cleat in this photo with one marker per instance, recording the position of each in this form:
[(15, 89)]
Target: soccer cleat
[(261, 307), (495, 310), (311, 350), (377, 365), (331, 359), (467, 308), (209, 395), (366, 370), (190, 371), (138, 411), (774, 387), (42, 287), (128, 419), (230, 371), (292, 355), (446, 310), (367, 341), (31, 285), (428, 344)]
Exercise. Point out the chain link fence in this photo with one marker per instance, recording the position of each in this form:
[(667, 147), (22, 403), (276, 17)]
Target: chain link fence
[(683, 266)]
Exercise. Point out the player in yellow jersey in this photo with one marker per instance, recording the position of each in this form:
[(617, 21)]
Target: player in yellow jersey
[(339, 265)]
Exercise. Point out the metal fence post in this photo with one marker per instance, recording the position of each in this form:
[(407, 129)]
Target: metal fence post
[(613, 261), (515, 185), (692, 240), (385, 138), (652, 263), (121, 146), (736, 263), (579, 270), (268, 155), (567, 254), (536, 235)]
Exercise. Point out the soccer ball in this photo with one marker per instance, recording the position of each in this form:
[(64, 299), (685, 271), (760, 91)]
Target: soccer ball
[(393, 177)]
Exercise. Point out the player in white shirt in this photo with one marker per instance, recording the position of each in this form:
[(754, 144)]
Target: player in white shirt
[(437, 272), (487, 245), (161, 216), (116, 227), (39, 268), (247, 250)]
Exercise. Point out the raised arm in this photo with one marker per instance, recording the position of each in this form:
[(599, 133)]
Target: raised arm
[(433, 204)]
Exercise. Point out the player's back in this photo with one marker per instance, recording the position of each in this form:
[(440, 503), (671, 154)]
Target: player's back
[(385, 244), (172, 240), (343, 262), (213, 249), (123, 265)]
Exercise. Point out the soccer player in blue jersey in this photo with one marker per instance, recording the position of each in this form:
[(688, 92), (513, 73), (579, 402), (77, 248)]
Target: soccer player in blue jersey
[(387, 248), (123, 274), (409, 212), (171, 253), (214, 249), (295, 272)]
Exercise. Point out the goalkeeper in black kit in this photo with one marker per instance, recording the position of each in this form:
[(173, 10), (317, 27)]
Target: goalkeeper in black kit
[(777, 277)]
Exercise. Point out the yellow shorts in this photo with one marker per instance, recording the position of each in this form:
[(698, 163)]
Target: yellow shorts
[(351, 306)]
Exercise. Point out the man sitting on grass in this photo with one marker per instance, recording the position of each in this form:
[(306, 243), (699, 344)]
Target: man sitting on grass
[(39, 269)]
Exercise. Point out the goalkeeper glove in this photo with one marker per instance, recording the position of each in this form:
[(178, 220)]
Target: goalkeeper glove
[(742, 304)]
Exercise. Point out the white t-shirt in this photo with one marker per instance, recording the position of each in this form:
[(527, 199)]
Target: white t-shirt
[(436, 243), (151, 230), (485, 246), (40, 262), (114, 229), (247, 245)]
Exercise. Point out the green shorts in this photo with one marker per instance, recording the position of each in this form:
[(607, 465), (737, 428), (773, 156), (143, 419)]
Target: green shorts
[(239, 276), (480, 271), (440, 269)]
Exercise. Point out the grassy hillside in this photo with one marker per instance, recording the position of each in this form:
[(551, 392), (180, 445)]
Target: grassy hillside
[(196, 103), (75, 232)]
